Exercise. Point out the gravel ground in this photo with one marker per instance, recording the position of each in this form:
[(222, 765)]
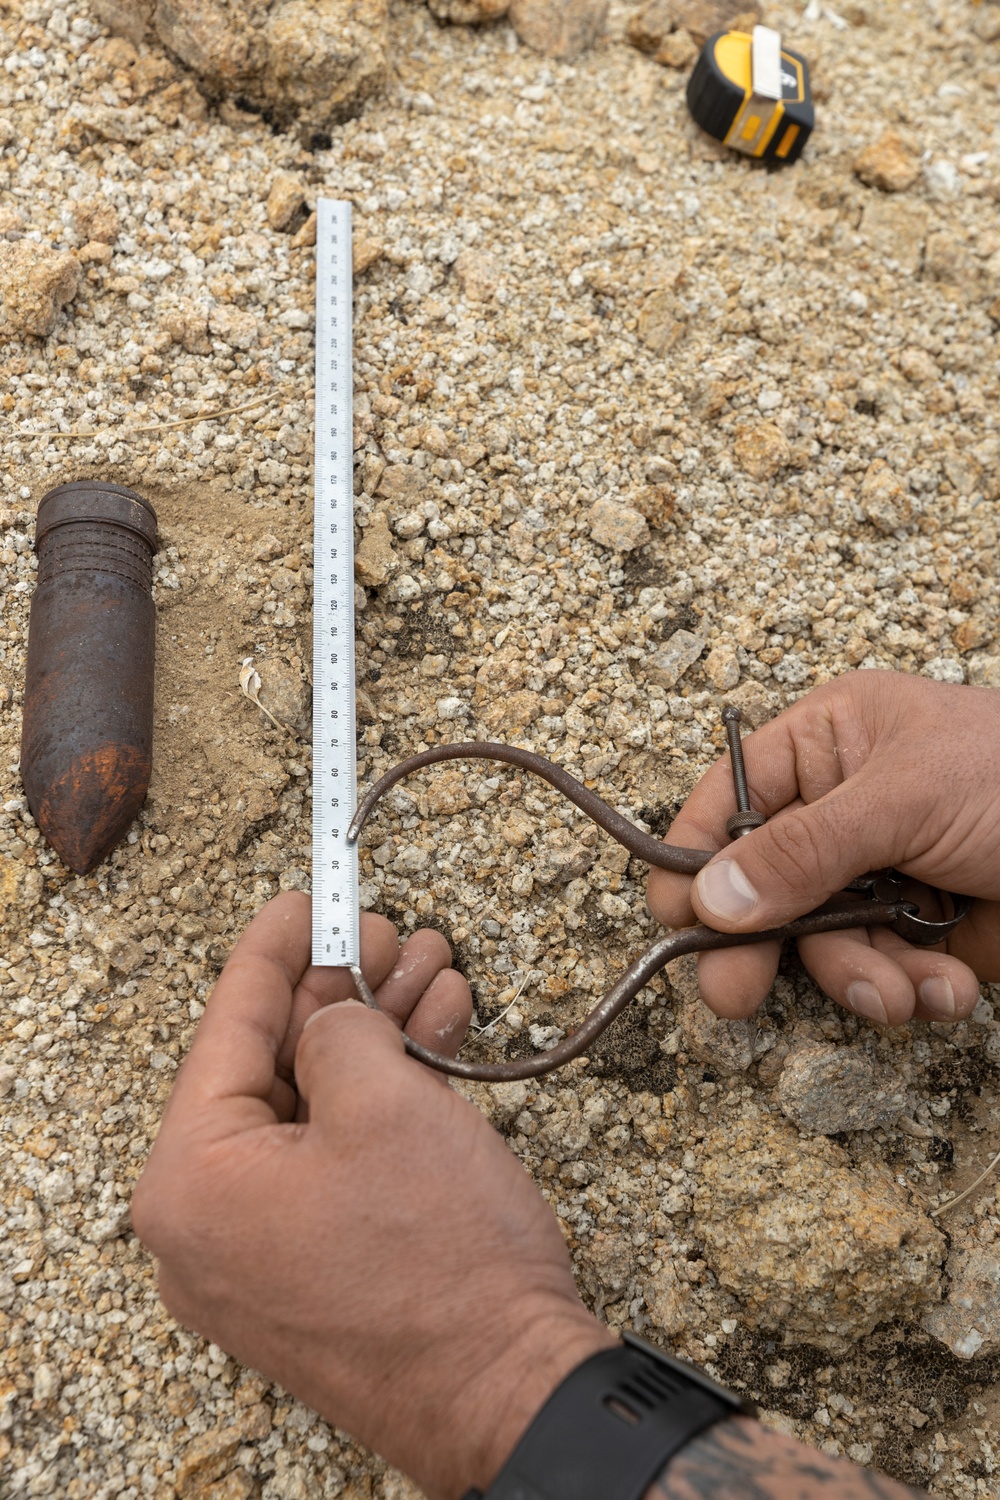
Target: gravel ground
[(639, 426)]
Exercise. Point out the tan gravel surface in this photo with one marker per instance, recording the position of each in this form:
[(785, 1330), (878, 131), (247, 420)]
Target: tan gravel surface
[(639, 426)]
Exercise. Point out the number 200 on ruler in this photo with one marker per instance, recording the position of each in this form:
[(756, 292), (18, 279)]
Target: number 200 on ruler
[(335, 939)]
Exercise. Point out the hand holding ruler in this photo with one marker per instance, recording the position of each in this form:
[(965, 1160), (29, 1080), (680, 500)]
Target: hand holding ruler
[(335, 901)]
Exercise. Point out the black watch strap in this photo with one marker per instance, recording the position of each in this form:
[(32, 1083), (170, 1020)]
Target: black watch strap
[(612, 1426)]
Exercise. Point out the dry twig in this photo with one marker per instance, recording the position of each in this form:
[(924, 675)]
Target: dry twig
[(127, 432), (951, 1202)]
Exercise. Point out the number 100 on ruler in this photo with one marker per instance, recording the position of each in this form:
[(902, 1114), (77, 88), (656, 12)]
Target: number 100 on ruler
[(335, 862)]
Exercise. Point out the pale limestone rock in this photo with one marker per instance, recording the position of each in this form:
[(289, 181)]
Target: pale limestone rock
[(617, 526), (660, 328), (37, 282), (306, 235), (96, 219), (187, 325), (562, 858), (649, 28), (729, 1046), (374, 559), (447, 794), (468, 12), (367, 249), (896, 229), (757, 704), (656, 503), (317, 60), (513, 711), (607, 1267), (235, 326), (888, 164), (559, 28), (285, 200), (722, 667), (817, 1250), (968, 1320), (670, 661), (128, 18), (825, 1090), (884, 501), (984, 670), (918, 366), (762, 450), (478, 274), (678, 50)]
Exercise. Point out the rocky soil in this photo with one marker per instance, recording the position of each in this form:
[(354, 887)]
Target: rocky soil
[(640, 427)]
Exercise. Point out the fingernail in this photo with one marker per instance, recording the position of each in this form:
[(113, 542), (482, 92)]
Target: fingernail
[(936, 994), (865, 1000), (723, 889)]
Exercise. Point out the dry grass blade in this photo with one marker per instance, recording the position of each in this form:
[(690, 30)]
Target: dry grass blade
[(953, 1202), (205, 416)]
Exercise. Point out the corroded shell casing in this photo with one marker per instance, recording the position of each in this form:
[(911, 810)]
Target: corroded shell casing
[(87, 737)]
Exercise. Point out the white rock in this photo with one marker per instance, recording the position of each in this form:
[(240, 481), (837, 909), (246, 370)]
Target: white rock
[(968, 1320), (46, 1384), (668, 664), (944, 669)]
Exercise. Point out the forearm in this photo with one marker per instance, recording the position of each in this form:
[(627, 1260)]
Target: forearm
[(741, 1460)]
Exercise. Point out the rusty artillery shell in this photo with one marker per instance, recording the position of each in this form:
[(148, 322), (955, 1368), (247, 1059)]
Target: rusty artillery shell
[(87, 739)]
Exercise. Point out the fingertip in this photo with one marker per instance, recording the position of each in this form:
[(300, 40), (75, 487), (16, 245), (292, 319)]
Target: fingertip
[(377, 934), (434, 944), (441, 1017), (734, 984), (945, 989), (949, 994), (323, 1009), (668, 898), (866, 981)]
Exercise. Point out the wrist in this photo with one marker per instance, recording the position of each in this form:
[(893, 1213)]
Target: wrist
[(513, 1380)]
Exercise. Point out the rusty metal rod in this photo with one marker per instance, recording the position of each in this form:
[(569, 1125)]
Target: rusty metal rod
[(636, 976), (643, 845)]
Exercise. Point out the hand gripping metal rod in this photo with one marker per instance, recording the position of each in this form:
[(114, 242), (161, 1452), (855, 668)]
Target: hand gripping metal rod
[(657, 956)]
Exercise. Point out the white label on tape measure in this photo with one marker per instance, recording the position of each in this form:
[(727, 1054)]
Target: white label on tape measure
[(335, 939), (766, 62)]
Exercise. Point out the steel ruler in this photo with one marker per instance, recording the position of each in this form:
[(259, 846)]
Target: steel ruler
[(335, 902)]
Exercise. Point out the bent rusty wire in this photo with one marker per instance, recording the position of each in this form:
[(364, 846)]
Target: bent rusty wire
[(880, 904)]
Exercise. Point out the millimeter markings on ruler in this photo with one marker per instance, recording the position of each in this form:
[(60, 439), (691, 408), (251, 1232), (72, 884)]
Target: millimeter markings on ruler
[(335, 939)]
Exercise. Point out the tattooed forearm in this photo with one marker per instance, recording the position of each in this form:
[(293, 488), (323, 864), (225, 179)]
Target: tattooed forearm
[(741, 1460)]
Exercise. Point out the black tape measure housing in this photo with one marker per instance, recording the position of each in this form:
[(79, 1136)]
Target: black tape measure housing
[(722, 98)]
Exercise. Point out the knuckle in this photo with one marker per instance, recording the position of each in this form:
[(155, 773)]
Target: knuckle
[(793, 854)]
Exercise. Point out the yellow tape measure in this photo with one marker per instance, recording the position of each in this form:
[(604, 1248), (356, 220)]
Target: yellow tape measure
[(752, 93)]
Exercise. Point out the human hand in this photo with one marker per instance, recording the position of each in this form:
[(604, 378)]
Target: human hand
[(330, 1212), (874, 769)]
